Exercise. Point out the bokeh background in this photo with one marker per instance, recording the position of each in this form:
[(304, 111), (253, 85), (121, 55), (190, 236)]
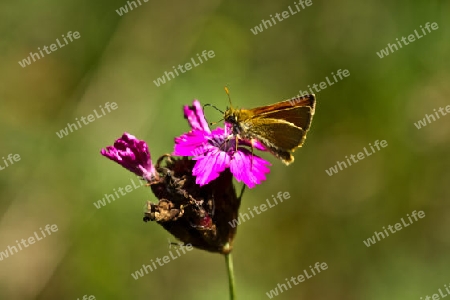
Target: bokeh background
[(327, 218)]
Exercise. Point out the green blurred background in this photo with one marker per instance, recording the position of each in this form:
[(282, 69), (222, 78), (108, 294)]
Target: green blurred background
[(327, 218)]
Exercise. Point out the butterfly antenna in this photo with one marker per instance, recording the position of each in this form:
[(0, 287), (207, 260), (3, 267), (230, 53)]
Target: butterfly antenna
[(212, 123), (213, 106), (228, 94)]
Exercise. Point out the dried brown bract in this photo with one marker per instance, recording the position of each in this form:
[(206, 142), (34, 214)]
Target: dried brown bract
[(194, 214)]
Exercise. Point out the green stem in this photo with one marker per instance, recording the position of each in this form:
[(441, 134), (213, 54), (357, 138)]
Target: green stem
[(229, 263), (242, 192)]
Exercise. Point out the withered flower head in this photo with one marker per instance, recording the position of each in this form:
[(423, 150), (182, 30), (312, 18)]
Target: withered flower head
[(194, 214)]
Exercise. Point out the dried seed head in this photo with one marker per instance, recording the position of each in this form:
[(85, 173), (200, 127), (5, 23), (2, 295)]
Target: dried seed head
[(194, 214)]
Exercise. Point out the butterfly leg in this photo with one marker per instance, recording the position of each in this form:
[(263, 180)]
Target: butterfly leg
[(252, 141)]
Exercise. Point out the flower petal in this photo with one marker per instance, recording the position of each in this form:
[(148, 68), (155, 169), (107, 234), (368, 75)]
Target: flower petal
[(208, 167), (192, 143), (132, 154), (244, 170), (195, 116)]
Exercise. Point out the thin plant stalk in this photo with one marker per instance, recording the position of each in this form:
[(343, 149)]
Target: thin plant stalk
[(229, 261), (231, 285)]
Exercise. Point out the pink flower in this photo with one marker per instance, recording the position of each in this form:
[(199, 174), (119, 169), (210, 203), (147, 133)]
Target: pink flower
[(133, 155), (215, 151)]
